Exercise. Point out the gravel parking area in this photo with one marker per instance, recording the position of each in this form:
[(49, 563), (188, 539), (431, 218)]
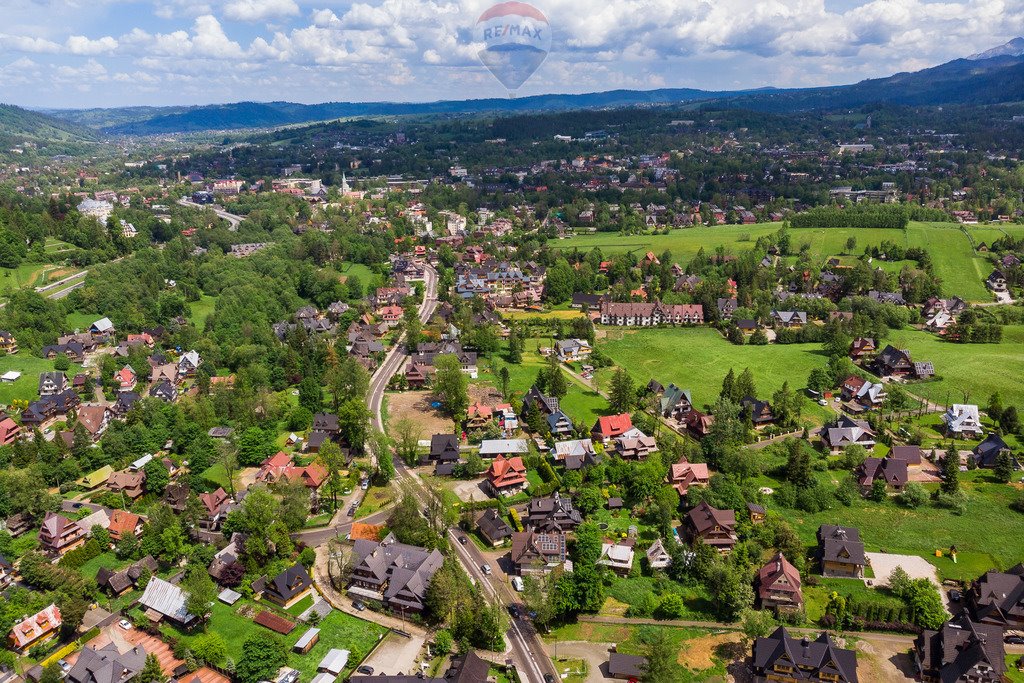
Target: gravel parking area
[(916, 567), (396, 655)]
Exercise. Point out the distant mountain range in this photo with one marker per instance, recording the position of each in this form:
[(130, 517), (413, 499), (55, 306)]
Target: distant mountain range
[(989, 77), (18, 126)]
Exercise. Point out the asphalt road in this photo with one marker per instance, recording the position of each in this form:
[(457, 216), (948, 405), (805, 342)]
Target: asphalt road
[(232, 219)]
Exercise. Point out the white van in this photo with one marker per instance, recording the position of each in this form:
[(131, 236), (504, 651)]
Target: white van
[(517, 583)]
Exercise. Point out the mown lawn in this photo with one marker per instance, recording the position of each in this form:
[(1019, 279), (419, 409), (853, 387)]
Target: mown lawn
[(337, 630), (107, 560), (698, 359), (892, 528), (30, 366), (968, 371)]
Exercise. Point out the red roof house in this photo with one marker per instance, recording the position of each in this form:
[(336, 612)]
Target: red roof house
[(507, 476), (611, 426)]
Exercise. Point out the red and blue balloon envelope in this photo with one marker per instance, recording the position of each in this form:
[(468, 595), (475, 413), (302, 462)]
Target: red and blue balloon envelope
[(515, 38)]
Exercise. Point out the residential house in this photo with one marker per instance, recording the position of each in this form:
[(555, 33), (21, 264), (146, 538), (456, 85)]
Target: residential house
[(618, 556), (789, 319), (756, 513), (610, 426), (863, 347), (124, 524), (963, 421), (163, 600), (129, 484), (7, 572), (846, 431), (536, 552), (117, 583), (559, 424), (58, 534), (492, 448), (987, 453), (893, 362), (394, 573), (760, 412), (107, 664), (506, 476), (674, 403), (867, 394), (95, 419), (841, 552), (493, 527), (716, 528), (8, 344), (535, 399), (996, 281), (555, 513), (189, 363), (126, 378), (572, 350), (52, 383), (685, 474), (478, 416), (35, 629), (165, 391), (890, 470), (176, 496), (101, 328), (997, 598), (910, 454), (635, 447), (726, 307), (780, 657), (10, 431), (657, 556), (215, 509), (578, 448), (778, 585), (962, 651), (650, 314), (443, 448), (698, 424), (288, 587)]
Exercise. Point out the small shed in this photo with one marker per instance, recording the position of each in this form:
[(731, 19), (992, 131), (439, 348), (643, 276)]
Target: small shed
[(334, 662), (307, 641), (10, 376), (229, 597)]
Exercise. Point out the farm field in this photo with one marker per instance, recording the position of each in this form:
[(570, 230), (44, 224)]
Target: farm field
[(27, 386), (961, 270), (698, 359), (971, 371)]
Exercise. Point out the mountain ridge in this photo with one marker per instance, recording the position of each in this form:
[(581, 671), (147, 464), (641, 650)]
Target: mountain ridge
[(978, 79)]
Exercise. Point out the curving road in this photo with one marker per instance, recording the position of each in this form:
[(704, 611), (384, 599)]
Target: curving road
[(527, 649), (232, 219)]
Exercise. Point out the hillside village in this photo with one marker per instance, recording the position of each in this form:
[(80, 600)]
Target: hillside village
[(561, 418)]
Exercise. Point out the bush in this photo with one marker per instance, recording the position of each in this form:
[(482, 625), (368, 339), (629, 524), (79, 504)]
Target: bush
[(913, 496)]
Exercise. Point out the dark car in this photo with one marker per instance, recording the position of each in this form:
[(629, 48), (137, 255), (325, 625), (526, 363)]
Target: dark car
[(368, 670), (1014, 640), (548, 678), (463, 540), (954, 595), (358, 604)]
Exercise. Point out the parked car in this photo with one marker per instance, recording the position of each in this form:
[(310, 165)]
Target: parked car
[(954, 595), (368, 670), (358, 604), (64, 666), (486, 569), (517, 583), (1014, 640), (125, 624)]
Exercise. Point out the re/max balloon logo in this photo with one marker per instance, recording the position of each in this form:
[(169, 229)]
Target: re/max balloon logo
[(516, 40)]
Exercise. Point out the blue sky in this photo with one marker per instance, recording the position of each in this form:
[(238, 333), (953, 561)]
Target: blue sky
[(94, 53)]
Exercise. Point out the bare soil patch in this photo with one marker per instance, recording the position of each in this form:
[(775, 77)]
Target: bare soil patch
[(697, 654), (415, 405)]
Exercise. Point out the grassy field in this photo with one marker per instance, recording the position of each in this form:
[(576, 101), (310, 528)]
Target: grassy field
[(107, 560), (699, 358), (26, 386), (922, 531), (581, 403), (337, 630), (201, 310), (960, 269), (81, 321), (971, 371)]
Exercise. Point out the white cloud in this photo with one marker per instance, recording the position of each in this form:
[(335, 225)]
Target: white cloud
[(27, 44), (80, 45), (260, 10)]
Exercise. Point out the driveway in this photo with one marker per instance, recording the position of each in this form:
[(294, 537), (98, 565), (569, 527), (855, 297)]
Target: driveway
[(594, 654), (471, 490), (396, 655)]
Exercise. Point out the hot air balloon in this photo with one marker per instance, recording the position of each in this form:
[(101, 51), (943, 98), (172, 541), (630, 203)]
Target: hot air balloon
[(516, 40)]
